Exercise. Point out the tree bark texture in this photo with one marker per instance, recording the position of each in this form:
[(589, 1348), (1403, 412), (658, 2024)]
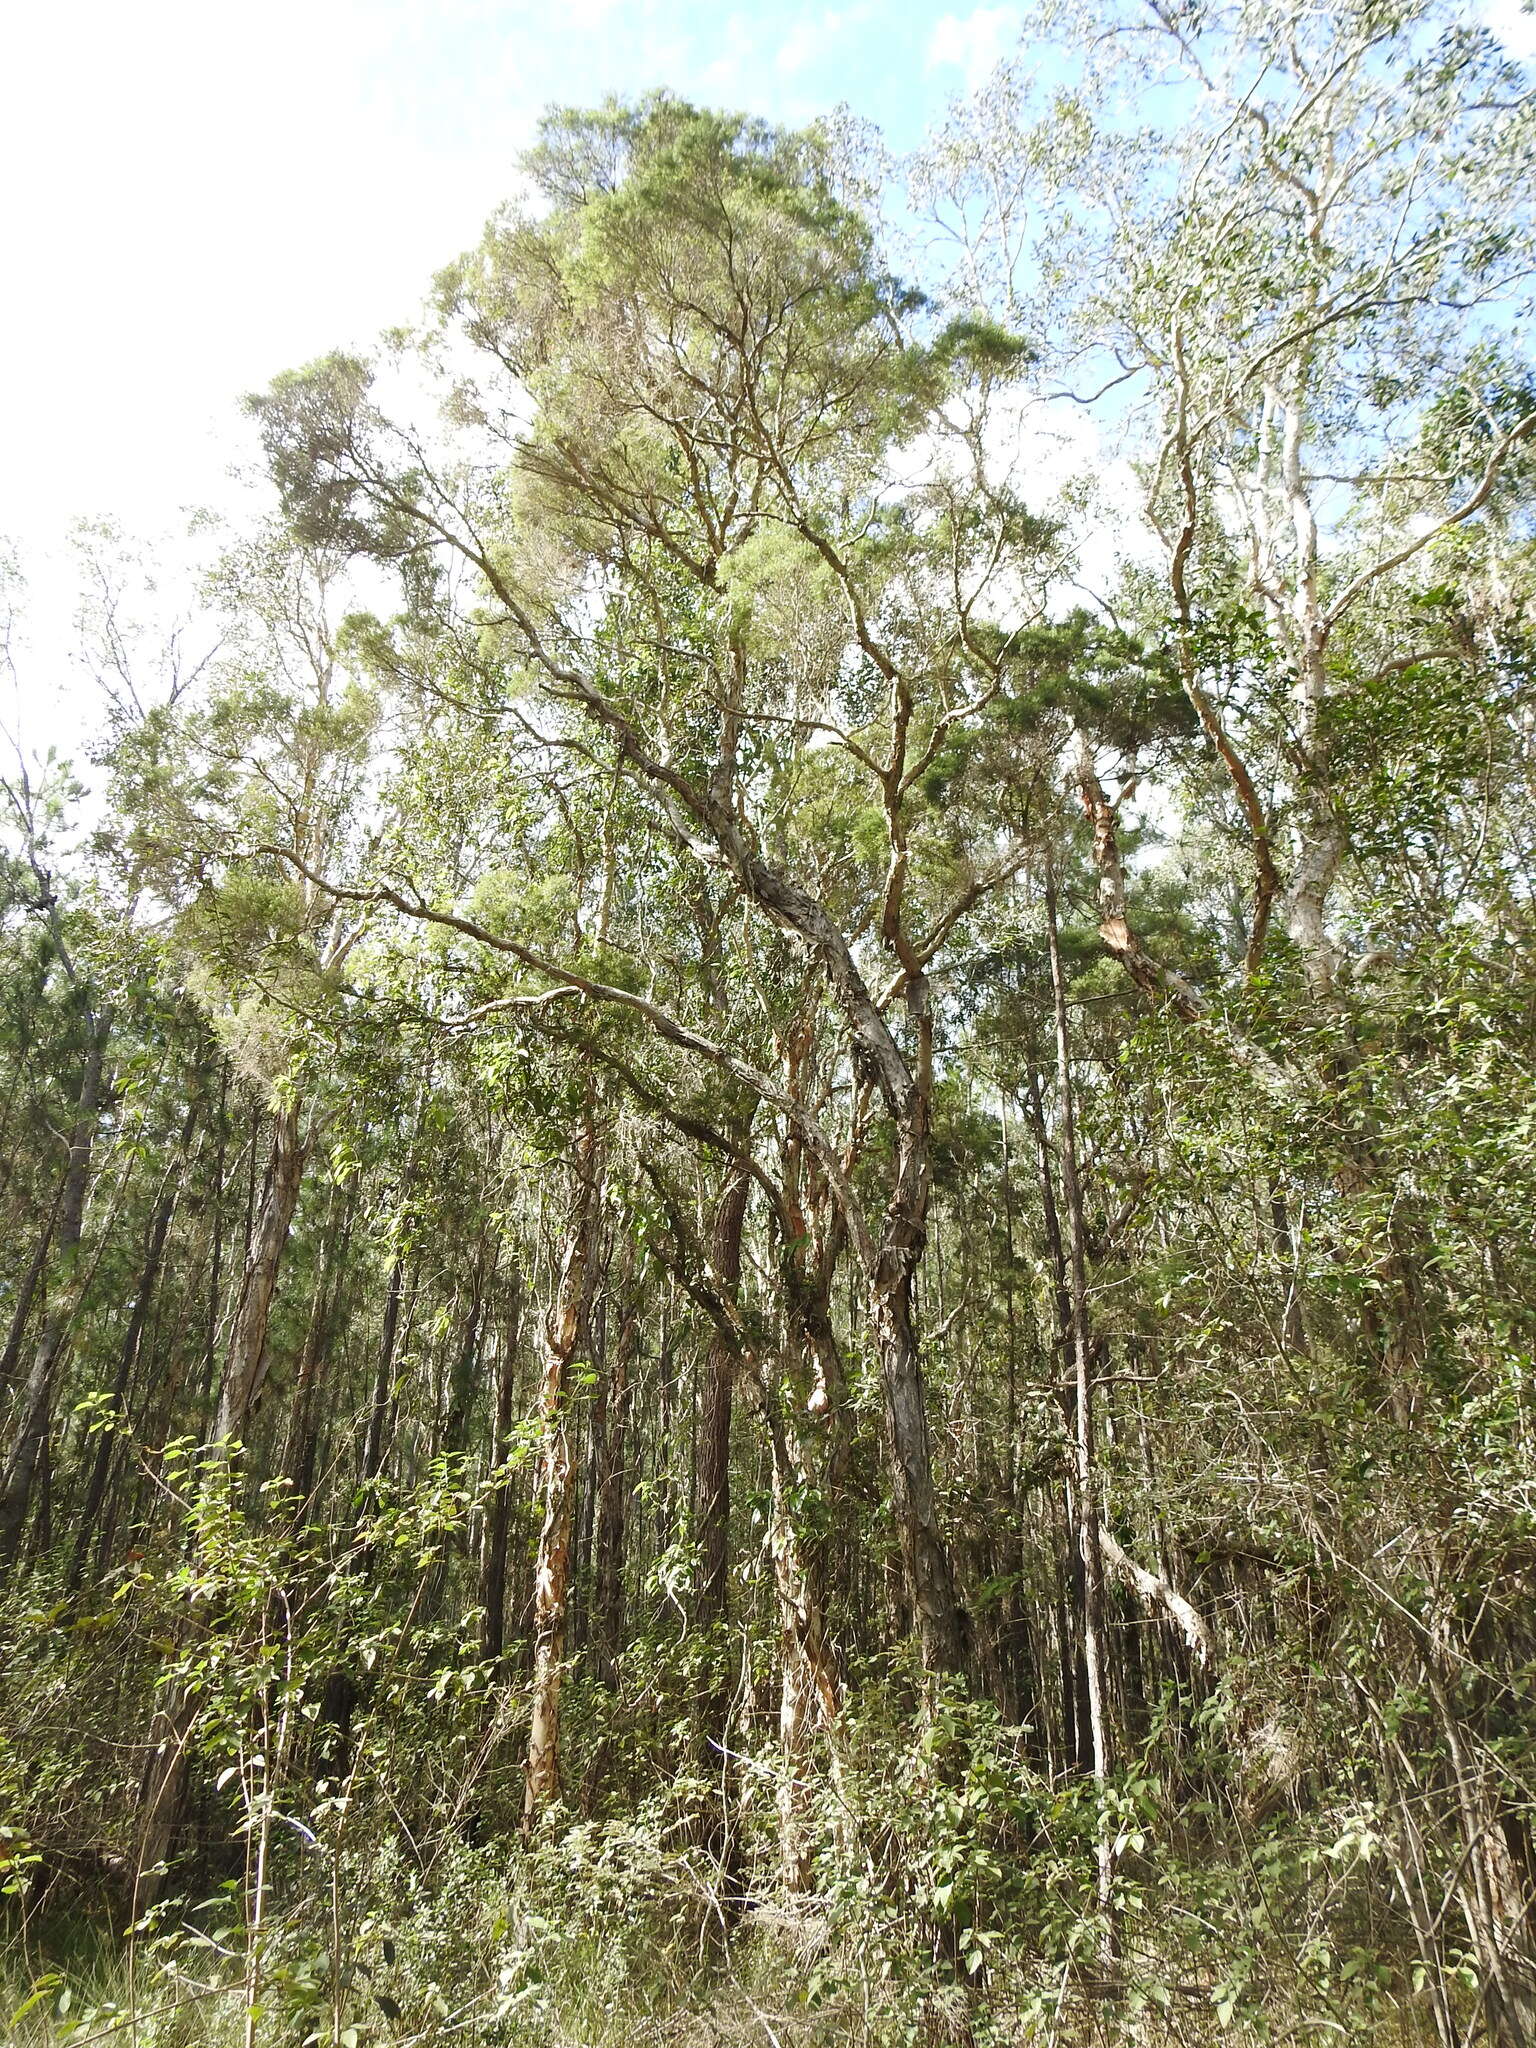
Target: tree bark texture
[(246, 1359), (551, 1590), (36, 1402), (715, 1411)]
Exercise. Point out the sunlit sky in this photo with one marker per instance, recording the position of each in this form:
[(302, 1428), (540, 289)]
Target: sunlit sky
[(196, 195)]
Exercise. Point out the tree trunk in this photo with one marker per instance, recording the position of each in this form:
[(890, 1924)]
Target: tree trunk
[(499, 1524), (133, 1338), (930, 1586), (611, 1481), (246, 1360), (375, 1441), (715, 1411), (1085, 1466), (36, 1405), (245, 1370), (27, 1291), (303, 1420), (810, 1697), (561, 1336)]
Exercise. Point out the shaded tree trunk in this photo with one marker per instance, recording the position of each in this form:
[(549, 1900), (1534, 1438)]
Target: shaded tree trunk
[(375, 1440), (26, 1293), (810, 1690), (36, 1403), (127, 1359), (304, 1427), (1085, 1462), (611, 1508), (715, 1411), (499, 1522), (246, 1360), (561, 1338)]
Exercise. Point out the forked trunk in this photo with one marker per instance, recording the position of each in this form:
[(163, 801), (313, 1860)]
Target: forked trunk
[(930, 1585)]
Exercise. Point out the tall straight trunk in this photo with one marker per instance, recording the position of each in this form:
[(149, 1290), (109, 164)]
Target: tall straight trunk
[(216, 1244), (245, 1369), (926, 1570), (611, 1508), (26, 1293), (245, 1365), (375, 1441), (594, 1348), (715, 1410), (561, 1338), (499, 1522), (460, 1372), (1085, 1463), (36, 1404), (304, 1420), (810, 1688), (127, 1359), (292, 1454), (463, 1371), (1493, 1890), (929, 1578)]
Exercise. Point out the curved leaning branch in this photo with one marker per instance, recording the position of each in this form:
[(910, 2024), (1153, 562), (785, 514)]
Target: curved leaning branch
[(569, 981)]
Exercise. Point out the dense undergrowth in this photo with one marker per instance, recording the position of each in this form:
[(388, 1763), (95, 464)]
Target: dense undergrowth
[(353, 1866)]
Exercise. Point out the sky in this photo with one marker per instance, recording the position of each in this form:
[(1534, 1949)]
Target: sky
[(194, 195), (198, 195)]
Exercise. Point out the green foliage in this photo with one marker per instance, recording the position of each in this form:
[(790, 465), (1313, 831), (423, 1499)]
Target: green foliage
[(739, 1151)]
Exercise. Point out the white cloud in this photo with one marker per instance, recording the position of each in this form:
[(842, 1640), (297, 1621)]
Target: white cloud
[(974, 44), (806, 41), (1514, 23), (810, 41)]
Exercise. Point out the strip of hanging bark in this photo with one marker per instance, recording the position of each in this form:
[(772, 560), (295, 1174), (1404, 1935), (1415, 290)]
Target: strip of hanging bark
[(1115, 927), (1159, 1592)]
